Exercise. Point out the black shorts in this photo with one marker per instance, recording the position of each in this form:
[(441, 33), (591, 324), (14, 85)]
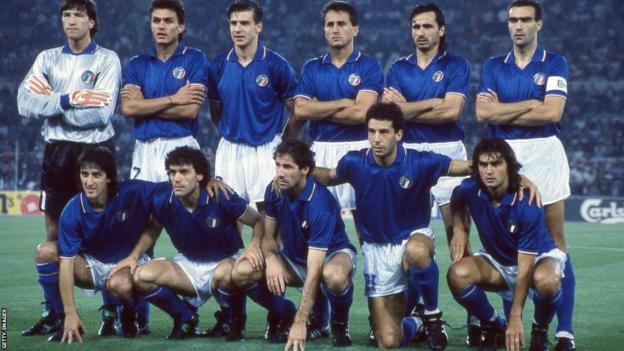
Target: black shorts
[(59, 174)]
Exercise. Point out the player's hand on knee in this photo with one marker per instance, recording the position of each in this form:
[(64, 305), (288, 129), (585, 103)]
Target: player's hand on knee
[(276, 277), (128, 262), (215, 186), (73, 328), (253, 254), (89, 98), (534, 193), (297, 337), (190, 94), (458, 246), (38, 85)]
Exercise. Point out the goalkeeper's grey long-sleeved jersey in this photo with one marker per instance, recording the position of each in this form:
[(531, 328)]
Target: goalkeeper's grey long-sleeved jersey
[(66, 72)]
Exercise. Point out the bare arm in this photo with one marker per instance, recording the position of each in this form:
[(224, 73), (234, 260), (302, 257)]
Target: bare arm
[(356, 113), (489, 109), (550, 111), (184, 104), (148, 238), (326, 176), (313, 110), (460, 168), (295, 124), (253, 252), (460, 232), (515, 330), (73, 326)]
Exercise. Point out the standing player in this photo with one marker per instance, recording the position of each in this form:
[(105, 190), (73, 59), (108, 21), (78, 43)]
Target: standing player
[(163, 91), (203, 230), (249, 87), (518, 252), (74, 89), (316, 250), (98, 227), (522, 97)]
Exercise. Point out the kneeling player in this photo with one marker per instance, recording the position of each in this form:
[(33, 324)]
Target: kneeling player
[(315, 247), (203, 230), (98, 227), (518, 252)]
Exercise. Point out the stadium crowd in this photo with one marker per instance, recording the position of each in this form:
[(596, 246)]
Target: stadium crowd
[(583, 31)]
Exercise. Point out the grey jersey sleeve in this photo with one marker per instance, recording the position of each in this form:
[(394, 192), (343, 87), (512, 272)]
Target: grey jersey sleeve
[(33, 105)]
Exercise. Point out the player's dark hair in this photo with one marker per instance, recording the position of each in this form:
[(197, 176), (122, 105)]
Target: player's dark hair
[(431, 7), (532, 3), (103, 158), (340, 6), (299, 151), (246, 5), (173, 5), (88, 6), (492, 147), (387, 111), (186, 155)]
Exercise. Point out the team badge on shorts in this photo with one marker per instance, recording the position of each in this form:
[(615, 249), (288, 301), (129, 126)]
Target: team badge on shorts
[(212, 222), (405, 182), (179, 73), (262, 80), (355, 79), (87, 77), (122, 216), (437, 76), (539, 79)]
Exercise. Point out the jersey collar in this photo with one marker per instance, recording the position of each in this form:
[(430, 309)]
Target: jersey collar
[(400, 157), (180, 50), (308, 190), (261, 54), (412, 58), (204, 199), (355, 55), (509, 199), (538, 56), (89, 50)]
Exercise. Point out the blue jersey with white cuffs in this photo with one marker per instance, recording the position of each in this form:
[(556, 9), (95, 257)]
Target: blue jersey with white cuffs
[(108, 235), (158, 79), (323, 81), (512, 227), (546, 74), (312, 220), (208, 233), (251, 97), (392, 201), (446, 74)]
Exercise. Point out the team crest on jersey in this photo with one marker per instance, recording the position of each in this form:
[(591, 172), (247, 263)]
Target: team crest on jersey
[(87, 77), (539, 79), (262, 80), (437, 76), (212, 222), (179, 73), (122, 216), (405, 182), (355, 79)]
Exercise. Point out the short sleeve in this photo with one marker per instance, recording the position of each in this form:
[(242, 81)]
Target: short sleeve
[(372, 77), (213, 75), (393, 80), (487, 77), (436, 165), (459, 77), (305, 88), (346, 168), (458, 197), (531, 226), (322, 224), (557, 80), (234, 207), (199, 68), (285, 78), (132, 75), (270, 205), (69, 236)]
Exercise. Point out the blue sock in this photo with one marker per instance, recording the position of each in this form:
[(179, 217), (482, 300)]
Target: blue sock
[(49, 281), (545, 308), (476, 303), (165, 299), (320, 310), (410, 327), (235, 301), (279, 305), (340, 303), (427, 280), (412, 297), (142, 310), (566, 310)]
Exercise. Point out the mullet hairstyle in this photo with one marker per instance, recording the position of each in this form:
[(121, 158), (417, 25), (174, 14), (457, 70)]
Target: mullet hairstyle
[(532, 3), (340, 6), (431, 7), (100, 157), (87, 6), (493, 147), (173, 5), (299, 151), (246, 5), (387, 111), (185, 155)]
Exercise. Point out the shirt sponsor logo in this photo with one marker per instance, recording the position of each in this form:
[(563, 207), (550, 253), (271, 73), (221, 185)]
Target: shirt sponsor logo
[(562, 84), (405, 182), (179, 73), (262, 80), (539, 79), (355, 79), (87, 77), (597, 211), (438, 76)]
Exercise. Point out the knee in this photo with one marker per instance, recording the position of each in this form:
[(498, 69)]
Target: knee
[(387, 339), (121, 286), (223, 276), (46, 252), (546, 282), (243, 274), (143, 275), (458, 276), (336, 278), (419, 253)]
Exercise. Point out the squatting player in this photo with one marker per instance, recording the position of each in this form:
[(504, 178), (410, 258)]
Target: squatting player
[(249, 87), (518, 253), (74, 89), (316, 250), (163, 91), (203, 230), (522, 97)]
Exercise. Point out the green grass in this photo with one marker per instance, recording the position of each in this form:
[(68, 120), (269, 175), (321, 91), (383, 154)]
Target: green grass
[(597, 250)]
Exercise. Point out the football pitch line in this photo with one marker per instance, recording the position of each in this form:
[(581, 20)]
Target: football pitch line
[(598, 248)]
